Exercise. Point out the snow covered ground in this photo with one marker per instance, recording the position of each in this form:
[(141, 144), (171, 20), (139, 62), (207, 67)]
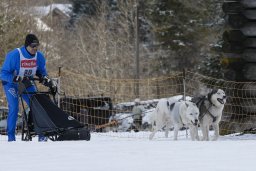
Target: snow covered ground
[(121, 152)]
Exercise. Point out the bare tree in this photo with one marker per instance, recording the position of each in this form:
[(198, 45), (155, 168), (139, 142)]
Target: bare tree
[(13, 26), (101, 46)]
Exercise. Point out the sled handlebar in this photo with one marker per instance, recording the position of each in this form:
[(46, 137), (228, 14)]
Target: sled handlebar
[(50, 91), (38, 92), (31, 78), (34, 79)]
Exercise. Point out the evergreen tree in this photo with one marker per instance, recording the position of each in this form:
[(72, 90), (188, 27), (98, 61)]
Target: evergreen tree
[(83, 7), (178, 32), (211, 66), (88, 8), (184, 30)]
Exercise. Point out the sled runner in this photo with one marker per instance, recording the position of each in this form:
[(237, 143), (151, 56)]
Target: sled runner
[(47, 119)]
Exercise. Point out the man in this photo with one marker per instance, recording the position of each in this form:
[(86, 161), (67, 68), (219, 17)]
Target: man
[(21, 64), (137, 114)]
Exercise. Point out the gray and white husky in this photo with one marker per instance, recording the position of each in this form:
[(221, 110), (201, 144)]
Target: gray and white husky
[(211, 107)]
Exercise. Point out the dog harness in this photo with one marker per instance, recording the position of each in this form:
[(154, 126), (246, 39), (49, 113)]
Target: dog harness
[(201, 105), (214, 118)]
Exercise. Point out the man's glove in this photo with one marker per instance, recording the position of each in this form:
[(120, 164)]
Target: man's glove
[(17, 79), (41, 79), (46, 81)]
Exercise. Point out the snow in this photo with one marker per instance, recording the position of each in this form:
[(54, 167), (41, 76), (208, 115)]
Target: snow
[(125, 122), (41, 11), (42, 26), (111, 151), (45, 10)]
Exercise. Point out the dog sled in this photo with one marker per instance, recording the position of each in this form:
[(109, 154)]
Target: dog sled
[(45, 118)]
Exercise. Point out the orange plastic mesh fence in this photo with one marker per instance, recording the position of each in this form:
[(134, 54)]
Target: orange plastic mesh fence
[(105, 104)]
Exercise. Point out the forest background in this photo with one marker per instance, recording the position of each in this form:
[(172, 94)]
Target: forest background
[(98, 37)]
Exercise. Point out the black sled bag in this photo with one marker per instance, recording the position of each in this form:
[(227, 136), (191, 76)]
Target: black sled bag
[(75, 134), (49, 119)]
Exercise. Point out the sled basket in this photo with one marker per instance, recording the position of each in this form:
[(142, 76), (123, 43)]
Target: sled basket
[(45, 118)]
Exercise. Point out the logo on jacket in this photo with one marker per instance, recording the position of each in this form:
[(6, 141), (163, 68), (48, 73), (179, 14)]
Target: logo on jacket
[(28, 63)]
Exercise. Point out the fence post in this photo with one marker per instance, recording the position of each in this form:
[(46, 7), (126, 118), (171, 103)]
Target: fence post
[(184, 93), (184, 84), (58, 88)]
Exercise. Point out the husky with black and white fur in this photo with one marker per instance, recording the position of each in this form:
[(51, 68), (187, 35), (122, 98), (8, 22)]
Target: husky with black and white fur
[(211, 107)]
